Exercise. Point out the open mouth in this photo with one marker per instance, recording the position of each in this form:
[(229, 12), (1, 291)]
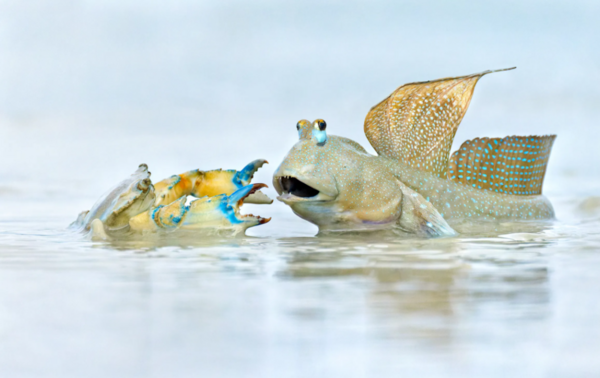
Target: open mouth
[(254, 189), (296, 187)]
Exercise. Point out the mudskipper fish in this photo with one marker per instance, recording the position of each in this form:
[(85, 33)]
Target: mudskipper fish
[(414, 183)]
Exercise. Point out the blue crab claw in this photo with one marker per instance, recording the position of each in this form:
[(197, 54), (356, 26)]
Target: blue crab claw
[(242, 193), (223, 212), (243, 177), (219, 212), (209, 183)]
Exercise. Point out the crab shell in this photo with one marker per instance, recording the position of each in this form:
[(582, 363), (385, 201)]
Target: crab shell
[(130, 197)]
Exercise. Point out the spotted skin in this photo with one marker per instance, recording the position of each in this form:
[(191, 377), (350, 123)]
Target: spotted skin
[(366, 188), (511, 165), (416, 124), (365, 191), (458, 201), (413, 184)]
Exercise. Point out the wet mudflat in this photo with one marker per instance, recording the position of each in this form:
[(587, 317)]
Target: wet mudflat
[(502, 298)]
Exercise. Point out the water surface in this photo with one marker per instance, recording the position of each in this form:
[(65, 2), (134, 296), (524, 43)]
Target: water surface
[(516, 299)]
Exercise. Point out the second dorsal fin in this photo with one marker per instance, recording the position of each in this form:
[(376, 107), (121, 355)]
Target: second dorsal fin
[(416, 124), (511, 165)]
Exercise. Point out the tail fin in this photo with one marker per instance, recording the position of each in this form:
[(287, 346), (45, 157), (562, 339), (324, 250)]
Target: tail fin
[(511, 165)]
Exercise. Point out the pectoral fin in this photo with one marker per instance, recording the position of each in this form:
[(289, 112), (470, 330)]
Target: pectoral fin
[(420, 217)]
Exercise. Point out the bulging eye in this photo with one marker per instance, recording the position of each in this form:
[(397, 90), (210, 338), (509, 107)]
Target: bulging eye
[(298, 126), (321, 125)]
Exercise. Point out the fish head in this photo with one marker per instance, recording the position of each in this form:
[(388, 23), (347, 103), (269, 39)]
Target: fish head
[(332, 182), (304, 175), (320, 175)]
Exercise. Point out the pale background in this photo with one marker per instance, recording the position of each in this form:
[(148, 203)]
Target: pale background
[(91, 89)]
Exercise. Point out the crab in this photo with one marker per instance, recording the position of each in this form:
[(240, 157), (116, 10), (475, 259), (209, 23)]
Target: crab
[(194, 200)]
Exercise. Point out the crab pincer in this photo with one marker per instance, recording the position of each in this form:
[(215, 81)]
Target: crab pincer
[(209, 183), (223, 211)]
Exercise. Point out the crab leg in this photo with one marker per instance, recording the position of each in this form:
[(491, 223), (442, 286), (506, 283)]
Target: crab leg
[(208, 183)]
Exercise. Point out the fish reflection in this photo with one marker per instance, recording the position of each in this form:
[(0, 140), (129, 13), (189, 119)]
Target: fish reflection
[(431, 287)]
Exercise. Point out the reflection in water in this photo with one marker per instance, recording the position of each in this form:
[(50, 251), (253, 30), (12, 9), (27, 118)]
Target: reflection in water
[(379, 299), (590, 206), (420, 287)]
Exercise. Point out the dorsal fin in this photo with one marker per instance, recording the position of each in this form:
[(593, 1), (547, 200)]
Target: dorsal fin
[(416, 124), (511, 165)]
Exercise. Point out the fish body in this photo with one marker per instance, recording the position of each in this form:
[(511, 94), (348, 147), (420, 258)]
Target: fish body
[(334, 183)]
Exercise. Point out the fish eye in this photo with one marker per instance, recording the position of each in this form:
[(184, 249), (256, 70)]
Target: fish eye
[(298, 126), (321, 125)]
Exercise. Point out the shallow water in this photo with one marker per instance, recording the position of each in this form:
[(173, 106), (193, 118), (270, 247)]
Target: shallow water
[(514, 299)]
